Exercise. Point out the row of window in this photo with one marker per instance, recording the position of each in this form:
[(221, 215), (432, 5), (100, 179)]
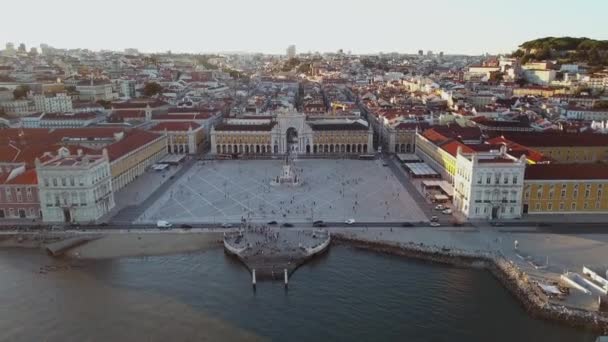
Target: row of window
[(17, 213), (562, 206), (497, 178), (486, 210), (72, 181), (575, 194), (18, 194), (73, 199)]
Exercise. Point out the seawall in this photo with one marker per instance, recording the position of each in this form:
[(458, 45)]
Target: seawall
[(517, 283)]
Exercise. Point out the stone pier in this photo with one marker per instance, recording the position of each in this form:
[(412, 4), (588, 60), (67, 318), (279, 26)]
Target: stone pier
[(271, 251)]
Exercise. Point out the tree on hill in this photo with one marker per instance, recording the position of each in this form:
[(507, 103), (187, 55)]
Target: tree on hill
[(21, 91), (152, 88)]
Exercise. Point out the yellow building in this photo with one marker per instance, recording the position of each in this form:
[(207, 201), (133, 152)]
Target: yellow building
[(438, 147), (539, 91), (291, 132), (565, 147), (565, 188), (131, 155)]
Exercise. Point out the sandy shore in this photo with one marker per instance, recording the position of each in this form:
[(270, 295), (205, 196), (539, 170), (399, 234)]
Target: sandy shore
[(145, 244)]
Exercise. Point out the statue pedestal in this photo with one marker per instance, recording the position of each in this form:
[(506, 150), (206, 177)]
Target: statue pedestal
[(288, 177)]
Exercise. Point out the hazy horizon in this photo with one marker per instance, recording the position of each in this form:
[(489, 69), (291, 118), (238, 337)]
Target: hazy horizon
[(473, 27)]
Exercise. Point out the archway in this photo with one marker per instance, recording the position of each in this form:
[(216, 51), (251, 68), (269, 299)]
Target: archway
[(307, 149)]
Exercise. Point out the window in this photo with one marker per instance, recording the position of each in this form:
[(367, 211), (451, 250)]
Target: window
[(488, 178), (575, 194), (80, 181), (83, 199), (485, 210), (527, 195), (598, 204), (573, 205), (19, 198), (57, 203), (511, 210), (29, 194), (563, 194), (505, 180), (9, 195), (477, 196), (561, 206), (476, 210), (586, 205), (63, 182), (72, 182), (31, 211), (46, 181), (54, 181), (515, 179), (503, 209), (74, 198), (599, 193), (539, 193), (549, 206), (11, 212), (479, 178), (587, 193), (538, 206), (551, 194), (48, 200)]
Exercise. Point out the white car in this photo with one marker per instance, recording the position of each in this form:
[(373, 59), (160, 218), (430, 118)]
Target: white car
[(226, 225), (163, 224), (440, 207), (447, 211), (435, 224), (350, 221)]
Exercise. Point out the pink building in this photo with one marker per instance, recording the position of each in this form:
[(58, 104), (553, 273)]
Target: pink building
[(19, 195)]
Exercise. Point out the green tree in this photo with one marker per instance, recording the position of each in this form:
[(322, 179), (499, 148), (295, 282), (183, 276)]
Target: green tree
[(496, 76), (601, 105), (105, 104), (21, 91), (152, 88)]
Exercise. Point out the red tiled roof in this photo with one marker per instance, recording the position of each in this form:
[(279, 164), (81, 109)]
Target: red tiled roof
[(28, 177), (558, 139), (182, 117), (517, 150), (175, 126), (566, 171), (130, 142)]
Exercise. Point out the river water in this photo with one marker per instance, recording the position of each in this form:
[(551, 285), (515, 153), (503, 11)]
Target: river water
[(344, 295)]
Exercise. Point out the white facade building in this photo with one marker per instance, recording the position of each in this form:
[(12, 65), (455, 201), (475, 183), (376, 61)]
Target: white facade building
[(74, 188), (60, 103), (489, 185)]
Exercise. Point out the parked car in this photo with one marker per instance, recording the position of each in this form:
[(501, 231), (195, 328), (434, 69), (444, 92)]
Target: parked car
[(384, 164), (317, 222), (319, 225), (226, 225), (103, 224), (350, 221), (497, 224), (434, 218), (407, 224), (271, 223), (287, 225), (163, 224), (447, 211), (435, 224), (187, 226), (440, 207)]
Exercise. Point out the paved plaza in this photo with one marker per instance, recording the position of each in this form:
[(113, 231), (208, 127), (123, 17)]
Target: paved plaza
[(332, 190)]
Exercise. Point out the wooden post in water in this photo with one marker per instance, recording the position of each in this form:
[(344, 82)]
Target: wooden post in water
[(286, 278), (253, 278)]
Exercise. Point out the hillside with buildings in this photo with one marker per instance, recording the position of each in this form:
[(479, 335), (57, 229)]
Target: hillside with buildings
[(565, 49)]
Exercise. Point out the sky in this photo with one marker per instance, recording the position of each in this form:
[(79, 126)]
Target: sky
[(269, 26)]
